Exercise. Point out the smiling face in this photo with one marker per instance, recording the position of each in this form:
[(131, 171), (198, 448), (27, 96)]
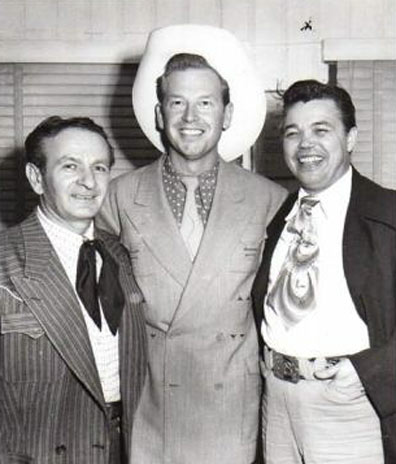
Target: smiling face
[(74, 183), (316, 145), (193, 116)]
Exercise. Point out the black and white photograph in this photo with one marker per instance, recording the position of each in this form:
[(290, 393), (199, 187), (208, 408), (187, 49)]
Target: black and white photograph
[(197, 231)]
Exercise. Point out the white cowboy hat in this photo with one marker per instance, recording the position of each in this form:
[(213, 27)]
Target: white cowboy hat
[(223, 52)]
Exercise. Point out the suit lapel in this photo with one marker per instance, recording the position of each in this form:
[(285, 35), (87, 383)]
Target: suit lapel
[(48, 293), (151, 216), (356, 248)]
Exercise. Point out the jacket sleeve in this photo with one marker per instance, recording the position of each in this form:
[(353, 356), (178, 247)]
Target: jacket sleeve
[(376, 304), (377, 371)]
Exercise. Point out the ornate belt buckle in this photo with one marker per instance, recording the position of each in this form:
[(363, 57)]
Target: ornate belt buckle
[(285, 367)]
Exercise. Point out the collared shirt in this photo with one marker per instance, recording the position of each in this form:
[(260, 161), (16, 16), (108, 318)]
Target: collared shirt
[(104, 344), (334, 327), (176, 191)]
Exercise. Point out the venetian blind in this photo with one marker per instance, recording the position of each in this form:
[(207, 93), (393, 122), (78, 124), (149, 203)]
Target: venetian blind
[(372, 85), (31, 92)]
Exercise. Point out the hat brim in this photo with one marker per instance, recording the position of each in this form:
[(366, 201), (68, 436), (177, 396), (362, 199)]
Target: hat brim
[(223, 52)]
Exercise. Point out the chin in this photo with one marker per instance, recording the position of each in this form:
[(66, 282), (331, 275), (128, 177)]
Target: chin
[(86, 213)]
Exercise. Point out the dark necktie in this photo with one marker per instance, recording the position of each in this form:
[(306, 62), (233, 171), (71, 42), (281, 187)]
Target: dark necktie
[(107, 289), (293, 295)]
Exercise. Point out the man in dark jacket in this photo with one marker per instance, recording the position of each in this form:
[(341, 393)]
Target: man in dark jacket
[(325, 296)]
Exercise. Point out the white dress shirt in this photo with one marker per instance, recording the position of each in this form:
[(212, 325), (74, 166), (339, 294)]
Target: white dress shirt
[(334, 327), (104, 344)]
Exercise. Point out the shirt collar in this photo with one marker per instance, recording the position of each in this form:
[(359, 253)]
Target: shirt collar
[(171, 171), (333, 200), (61, 235)]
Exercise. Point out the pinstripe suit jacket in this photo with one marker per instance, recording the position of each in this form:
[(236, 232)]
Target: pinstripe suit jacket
[(51, 402)]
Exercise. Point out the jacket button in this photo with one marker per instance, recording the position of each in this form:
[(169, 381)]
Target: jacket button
[(61, 449), (98, 446)]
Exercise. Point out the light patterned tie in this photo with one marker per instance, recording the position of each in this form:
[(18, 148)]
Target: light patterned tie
[(191, 227), (294, 292)]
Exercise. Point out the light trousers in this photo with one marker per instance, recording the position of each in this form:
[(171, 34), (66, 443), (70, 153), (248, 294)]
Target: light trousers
[(311, 422)]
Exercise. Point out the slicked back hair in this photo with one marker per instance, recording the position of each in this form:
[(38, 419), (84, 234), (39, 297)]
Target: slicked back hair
[(307, 90), (184, 61), (52, 126)]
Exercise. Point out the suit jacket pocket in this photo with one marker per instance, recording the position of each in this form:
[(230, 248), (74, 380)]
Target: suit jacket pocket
[(21, 323), (26, 353), (247, 253)]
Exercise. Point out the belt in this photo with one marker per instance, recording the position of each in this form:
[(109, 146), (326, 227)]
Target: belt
[(114, 410), (293, 369)]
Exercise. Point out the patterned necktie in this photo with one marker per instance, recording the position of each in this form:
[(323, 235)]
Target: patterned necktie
[(294, 292), (191, 227), (108, 289)]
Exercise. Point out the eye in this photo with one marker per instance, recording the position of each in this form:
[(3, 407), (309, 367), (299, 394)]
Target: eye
[(290, 133), (102, 168), (321, 130), (70, 166), (205, 103), (176, 103)]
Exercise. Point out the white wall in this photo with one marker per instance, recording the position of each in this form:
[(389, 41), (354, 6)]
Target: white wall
[(116, 30)]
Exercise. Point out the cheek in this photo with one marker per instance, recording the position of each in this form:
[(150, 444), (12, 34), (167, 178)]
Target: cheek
[(289, 147), (169, 126), (53, 194), (288, 154), (103, 184)]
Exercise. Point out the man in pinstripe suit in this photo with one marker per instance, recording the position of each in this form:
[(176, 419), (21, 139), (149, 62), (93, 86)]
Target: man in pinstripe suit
[(67, 359)]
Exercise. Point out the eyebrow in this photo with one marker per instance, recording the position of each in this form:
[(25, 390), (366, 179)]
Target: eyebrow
[(206, 95), (68, 158), (78, 160), (316, 123), (289, 126), (322, 123)]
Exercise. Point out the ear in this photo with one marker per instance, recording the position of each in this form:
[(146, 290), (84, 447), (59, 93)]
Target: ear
[(228, 111), (159, 120), (35, 178), (351, 139)]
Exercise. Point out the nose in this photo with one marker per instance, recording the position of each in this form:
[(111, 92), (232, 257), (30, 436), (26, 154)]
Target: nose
[(87, 177), (306, 139), (189, 113)]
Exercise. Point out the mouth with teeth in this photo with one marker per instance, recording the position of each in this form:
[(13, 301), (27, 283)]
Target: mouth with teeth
[(191, 132), (310, 161), (80, 197)]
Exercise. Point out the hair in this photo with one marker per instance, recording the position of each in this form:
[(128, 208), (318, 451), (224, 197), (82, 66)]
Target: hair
[(307, 90), (52, 126), (183, 61)]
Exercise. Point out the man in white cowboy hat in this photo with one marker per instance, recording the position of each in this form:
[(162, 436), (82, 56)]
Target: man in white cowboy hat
[(195, 227)]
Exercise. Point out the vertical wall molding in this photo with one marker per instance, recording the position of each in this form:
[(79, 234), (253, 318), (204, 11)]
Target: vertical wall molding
[(377, 124), (19, 141)]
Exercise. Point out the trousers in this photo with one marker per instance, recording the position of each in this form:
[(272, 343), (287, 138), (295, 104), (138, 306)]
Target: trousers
[(311, 422)]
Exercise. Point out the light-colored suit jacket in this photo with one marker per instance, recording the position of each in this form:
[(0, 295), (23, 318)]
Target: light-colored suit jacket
[(201, 399), (52, 407)]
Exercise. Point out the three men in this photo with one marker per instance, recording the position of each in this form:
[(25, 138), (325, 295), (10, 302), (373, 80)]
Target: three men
[(325, 296), (195, 226), (71, 367)]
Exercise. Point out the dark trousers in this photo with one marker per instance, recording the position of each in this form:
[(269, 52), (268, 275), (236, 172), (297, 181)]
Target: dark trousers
[(117, 447)]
